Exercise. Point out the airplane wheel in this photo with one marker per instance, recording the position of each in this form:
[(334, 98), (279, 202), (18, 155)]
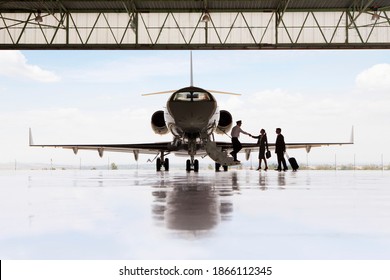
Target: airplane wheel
[(188, 165), (166, 164), (217, 166), (158, 164), (225, 168), (196, 165)]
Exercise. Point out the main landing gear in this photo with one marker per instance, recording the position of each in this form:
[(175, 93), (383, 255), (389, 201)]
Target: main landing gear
[(191, 164), (161, 162), (218, 165)]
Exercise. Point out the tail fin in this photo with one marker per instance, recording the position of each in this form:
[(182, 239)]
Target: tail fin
[(191, 72)]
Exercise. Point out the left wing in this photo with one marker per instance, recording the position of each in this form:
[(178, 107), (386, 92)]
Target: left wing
[(255, 147), (252, 147)]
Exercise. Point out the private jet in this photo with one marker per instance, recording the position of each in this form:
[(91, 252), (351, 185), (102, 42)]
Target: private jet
[(192, 117)]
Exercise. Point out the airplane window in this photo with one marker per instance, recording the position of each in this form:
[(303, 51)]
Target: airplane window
[(182, 96), (201, 96)]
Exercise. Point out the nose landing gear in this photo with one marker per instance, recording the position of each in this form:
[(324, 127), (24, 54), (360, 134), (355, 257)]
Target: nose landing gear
[(192, 164)]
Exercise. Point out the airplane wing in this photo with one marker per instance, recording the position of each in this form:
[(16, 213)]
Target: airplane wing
[(143, 148), (252, 147), (255, 146), (165, 147)]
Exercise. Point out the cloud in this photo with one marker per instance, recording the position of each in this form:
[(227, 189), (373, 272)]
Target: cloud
[(376, 77), (15, 65)]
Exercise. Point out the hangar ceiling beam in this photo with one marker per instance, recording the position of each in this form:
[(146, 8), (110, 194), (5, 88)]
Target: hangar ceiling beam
[(281, 10), (359, 7), (181, 24)]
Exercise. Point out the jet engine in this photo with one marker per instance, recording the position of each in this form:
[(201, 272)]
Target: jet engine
[(158, 123), (225, 122)]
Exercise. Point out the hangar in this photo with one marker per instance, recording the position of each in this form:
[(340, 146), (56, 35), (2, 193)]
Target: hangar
[(195, 24)]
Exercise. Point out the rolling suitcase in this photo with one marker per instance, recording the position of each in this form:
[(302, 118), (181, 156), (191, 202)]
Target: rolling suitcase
[(293, 162)]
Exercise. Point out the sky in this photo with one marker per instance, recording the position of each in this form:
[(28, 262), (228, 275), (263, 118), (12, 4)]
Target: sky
[(94, 97)]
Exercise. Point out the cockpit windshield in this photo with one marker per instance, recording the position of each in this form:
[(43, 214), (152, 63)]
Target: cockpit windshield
[(191, 96)]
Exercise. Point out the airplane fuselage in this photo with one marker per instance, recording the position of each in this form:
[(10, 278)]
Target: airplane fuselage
[(191, 113)]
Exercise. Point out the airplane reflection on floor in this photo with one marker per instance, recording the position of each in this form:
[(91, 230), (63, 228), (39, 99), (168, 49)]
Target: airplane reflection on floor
[(190, 205), (198, 203), (190, 202)]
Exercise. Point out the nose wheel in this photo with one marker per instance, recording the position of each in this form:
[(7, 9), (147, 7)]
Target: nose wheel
[(192, 165)]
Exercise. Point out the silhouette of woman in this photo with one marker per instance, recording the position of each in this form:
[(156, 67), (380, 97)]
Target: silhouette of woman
[(263, 146)]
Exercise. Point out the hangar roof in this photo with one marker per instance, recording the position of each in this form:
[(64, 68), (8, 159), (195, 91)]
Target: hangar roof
[(195, 24), (189, 5)]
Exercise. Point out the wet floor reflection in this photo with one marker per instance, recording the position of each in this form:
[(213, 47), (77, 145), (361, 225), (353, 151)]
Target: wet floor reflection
[(240, 214), (198, 203), (281, 180), (192, 204)]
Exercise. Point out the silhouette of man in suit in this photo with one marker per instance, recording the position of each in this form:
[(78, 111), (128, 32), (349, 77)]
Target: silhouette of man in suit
[(280, 149)]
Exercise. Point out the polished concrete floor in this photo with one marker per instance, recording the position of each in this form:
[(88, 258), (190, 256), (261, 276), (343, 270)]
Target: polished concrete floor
[(242, 214)]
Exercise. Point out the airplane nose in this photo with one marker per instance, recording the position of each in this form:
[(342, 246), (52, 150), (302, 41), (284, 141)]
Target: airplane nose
[(192, 118)]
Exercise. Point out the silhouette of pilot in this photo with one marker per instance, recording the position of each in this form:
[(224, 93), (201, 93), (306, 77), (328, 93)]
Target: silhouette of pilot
[(235, 133), (280, 149)]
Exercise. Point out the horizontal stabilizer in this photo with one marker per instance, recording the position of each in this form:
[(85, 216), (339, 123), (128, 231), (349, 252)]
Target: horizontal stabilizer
[(159, 92), (172, 91), (223, 92)]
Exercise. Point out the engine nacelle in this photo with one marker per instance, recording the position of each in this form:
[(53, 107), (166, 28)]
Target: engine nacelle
[(225, 122), (158, 123)]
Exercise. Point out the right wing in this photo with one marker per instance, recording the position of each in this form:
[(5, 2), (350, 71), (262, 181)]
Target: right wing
[(143, 148)]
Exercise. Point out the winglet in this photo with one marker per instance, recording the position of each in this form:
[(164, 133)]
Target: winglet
[(30, 138), (352, 135)]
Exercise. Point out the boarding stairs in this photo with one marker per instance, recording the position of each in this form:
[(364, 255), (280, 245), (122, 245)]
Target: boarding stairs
[(219, 156)]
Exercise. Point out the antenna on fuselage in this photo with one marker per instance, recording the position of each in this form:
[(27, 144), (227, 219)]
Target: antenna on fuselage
[(192, 76)]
